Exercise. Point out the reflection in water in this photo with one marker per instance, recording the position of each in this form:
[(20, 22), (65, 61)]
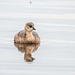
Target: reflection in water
[(27, 49)]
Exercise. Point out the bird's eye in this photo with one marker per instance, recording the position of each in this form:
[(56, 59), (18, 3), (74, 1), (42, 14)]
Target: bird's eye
[(30, 26)]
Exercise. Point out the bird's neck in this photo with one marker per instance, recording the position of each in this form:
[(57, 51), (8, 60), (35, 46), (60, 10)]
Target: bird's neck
[(29, 34)]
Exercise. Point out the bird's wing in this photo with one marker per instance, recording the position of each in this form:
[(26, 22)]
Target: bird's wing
[(35, 34), (21, 33)]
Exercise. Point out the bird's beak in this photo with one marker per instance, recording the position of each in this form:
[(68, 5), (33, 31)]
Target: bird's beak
[(34, 28)]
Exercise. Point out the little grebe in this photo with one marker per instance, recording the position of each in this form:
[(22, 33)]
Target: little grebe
[(27, 35)]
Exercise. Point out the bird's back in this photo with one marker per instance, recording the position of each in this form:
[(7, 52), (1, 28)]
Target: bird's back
[(35, 34), (22, 34)]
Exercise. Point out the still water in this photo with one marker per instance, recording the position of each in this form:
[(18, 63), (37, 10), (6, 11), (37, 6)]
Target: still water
[(55, 24)]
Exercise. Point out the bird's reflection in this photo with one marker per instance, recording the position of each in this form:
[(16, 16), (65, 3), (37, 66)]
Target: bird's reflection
[(27, 49)]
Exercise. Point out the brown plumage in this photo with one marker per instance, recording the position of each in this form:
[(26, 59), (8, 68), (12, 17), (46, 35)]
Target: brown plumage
[(27, 35)]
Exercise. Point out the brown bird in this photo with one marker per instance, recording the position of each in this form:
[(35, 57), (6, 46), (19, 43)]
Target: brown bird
[(27, 35)]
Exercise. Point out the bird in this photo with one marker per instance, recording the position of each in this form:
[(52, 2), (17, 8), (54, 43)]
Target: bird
[(27, 35)]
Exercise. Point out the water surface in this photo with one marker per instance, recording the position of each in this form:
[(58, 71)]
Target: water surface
[(55, 23)]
